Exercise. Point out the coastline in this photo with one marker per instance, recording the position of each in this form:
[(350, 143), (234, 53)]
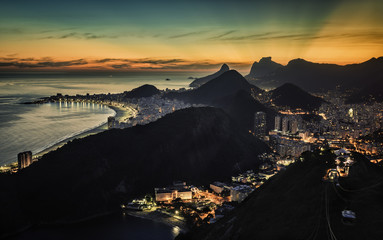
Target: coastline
[(157, 216), (121, 113)]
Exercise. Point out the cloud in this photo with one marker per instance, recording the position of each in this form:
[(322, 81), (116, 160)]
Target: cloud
[(222, 35), (120, 66), (268, 36), (187, 34), (7, 58), (105, 60), (78, 35), (140, 60), (256, 36), (157, 61), (43, 64), (117, 64)]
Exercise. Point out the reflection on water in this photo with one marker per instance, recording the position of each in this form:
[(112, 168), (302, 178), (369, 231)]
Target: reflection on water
[(175, 231), (36, 127)]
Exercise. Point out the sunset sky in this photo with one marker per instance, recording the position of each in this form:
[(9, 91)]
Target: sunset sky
[(185, 35)]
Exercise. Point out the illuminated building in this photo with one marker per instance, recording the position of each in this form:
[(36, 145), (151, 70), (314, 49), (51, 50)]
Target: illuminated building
[(293, 125), (277, 125), (260, 124), (111, 121), (178, 190), (285, 124), (218, 187), (24, 159)]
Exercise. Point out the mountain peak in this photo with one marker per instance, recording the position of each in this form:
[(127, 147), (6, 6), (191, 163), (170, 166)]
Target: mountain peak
[(297, 61), (293, 96), (201, 81), (265, 60), (264, 67), (224, 68), (145, 90)]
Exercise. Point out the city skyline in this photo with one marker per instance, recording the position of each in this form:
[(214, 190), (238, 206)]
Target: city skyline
[(181, 36)]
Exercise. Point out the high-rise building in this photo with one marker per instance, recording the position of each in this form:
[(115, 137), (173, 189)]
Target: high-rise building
[(277, 125), (293, 125), (24, 159), (111, 121), (285, 124), (260, 124)]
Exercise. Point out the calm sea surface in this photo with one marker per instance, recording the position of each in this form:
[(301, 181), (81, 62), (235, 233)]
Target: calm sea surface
[(114, 227), (37, 127)]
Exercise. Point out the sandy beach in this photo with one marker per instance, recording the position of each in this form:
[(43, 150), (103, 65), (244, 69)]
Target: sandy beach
[(121, 114)]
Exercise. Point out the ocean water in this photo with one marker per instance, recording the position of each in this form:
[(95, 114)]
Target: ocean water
[(37, 127), (116, 227)]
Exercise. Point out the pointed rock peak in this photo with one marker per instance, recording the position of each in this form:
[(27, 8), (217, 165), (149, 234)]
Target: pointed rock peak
[(224, 67)]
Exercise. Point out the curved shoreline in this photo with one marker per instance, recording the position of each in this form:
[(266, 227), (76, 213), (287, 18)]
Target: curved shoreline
[(120, 114)]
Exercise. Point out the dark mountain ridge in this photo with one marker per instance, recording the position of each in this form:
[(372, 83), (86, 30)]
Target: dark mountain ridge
[(320, 76), (95, 174), (224, 85), (145, 90), (200, 81), (263, 68), (370, 93), (294, 97), (231, 92)]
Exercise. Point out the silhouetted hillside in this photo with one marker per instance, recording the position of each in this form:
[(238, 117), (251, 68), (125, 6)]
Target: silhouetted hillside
[(200, 81), (231, 92), (264, 68), (368, 94), (142, 91), (294, 97), (293, 205), (226, 84), (317, 76), (93, 175), (242, 107)]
